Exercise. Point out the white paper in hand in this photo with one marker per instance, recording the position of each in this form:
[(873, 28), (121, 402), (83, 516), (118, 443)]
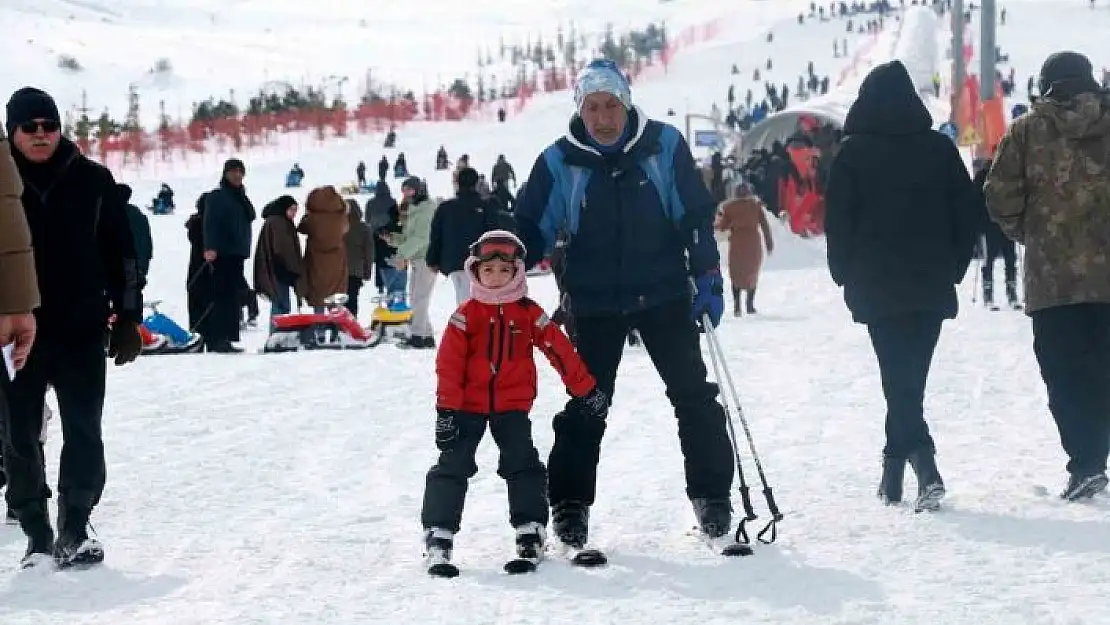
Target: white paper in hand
[(8, 351)]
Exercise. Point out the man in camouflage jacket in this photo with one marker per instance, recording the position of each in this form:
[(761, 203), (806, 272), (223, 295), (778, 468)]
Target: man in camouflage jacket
[(1049, 189)]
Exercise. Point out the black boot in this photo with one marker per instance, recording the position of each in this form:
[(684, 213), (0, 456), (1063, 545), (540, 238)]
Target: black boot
[(736, 310), (1084, 486), (894, 474), (74, 547), (751, 301), (570, 520), (714, 515), (1011, 295), (988, 293), (35, 522), (930, 486)]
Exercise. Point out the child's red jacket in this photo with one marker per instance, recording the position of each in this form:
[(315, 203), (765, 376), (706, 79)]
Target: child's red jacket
[(485, 363)]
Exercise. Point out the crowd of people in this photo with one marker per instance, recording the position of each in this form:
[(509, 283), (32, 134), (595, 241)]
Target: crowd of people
[(899, 237)]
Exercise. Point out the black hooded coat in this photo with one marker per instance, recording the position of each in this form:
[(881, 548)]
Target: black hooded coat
[(902, 213)]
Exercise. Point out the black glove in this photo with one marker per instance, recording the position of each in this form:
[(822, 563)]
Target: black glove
[(447, 429), (124, 342), (596, 403)]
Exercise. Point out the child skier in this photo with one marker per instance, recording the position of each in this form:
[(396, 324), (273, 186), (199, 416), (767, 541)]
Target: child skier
[(486, 374)]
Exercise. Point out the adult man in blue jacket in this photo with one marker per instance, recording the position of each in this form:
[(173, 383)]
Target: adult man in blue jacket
[(621, 198)]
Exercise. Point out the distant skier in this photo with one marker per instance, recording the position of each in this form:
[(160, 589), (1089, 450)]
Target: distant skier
[(400, 166), (383, 167), (486, 374), (996, 244), (502, 172), (360, 174)]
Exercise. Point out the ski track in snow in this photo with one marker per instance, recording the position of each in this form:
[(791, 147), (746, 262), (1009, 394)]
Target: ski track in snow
[(286, 488)]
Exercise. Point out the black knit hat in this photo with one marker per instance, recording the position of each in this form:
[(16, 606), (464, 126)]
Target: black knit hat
[(234, 164), (414, 183), (1066, 74), (27, 104), (468, 178)]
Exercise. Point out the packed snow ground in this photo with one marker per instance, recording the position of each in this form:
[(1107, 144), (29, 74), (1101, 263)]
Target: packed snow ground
[(286, 488)]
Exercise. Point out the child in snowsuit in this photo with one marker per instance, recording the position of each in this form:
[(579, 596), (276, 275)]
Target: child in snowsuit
[(486, 374)]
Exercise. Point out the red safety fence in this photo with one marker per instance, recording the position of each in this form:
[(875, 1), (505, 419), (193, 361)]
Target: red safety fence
[(184, 144)]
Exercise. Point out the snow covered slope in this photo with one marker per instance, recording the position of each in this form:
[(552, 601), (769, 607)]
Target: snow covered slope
[(285, 489), (214, 47)]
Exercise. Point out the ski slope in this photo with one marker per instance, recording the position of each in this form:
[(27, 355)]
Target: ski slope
[(286, 488)]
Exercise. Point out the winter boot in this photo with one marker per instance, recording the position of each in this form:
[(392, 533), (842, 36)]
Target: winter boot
[(530, 541), (1011, 295), (751, 302), (74, 547), (40, 536), (930, 486), (894, 474), (438, 544), (1084, 486), (570, 520), (714, 515), (736, 310), (988, 293)]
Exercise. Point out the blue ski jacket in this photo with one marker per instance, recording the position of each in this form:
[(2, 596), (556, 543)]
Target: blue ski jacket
[(635, 224)]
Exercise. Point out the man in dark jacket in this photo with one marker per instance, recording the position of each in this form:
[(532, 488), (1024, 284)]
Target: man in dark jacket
[(85, 259), (1048, 190), (995, 244), (902, 218), (140, 232), (228, 215), (621, 196), (458, 223)]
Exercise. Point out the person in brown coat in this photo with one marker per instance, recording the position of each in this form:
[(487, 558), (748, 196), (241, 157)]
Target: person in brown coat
[(325, 260), (360, 254), (744, 218), (278, 262)]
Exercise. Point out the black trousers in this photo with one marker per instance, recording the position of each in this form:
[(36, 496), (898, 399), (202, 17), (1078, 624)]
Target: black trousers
[(1000, 246), (1072, 344), (75, 367), (519, 466), (227, 282), (354, 285), (673, 344), (904, 347)]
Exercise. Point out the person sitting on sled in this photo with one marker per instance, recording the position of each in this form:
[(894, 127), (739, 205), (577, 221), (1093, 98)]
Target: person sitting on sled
[(478, 384)]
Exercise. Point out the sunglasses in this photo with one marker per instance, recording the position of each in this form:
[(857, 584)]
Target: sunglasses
[(508, 251), (47, 125)]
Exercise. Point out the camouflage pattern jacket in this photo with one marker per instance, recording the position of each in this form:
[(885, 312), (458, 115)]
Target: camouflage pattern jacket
[(1049, 189)]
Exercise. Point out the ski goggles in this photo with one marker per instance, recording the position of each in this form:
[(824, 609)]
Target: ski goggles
[(504, 249)]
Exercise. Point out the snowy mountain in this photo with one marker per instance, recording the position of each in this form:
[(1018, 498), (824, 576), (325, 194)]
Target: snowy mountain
[(286, 488)]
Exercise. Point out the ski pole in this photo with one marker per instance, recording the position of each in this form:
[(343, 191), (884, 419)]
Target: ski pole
[(745, 495), (768, 494)]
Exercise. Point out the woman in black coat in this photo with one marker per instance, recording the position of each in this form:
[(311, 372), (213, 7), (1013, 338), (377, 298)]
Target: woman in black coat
[(901, 221)]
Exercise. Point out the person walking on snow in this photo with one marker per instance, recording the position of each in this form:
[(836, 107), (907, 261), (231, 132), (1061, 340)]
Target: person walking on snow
[(458, 222), (1049, 189), (901, 220), (412, 247), (745, 220), (478, 386), (622, 197), (87, 271), (996, 244)]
